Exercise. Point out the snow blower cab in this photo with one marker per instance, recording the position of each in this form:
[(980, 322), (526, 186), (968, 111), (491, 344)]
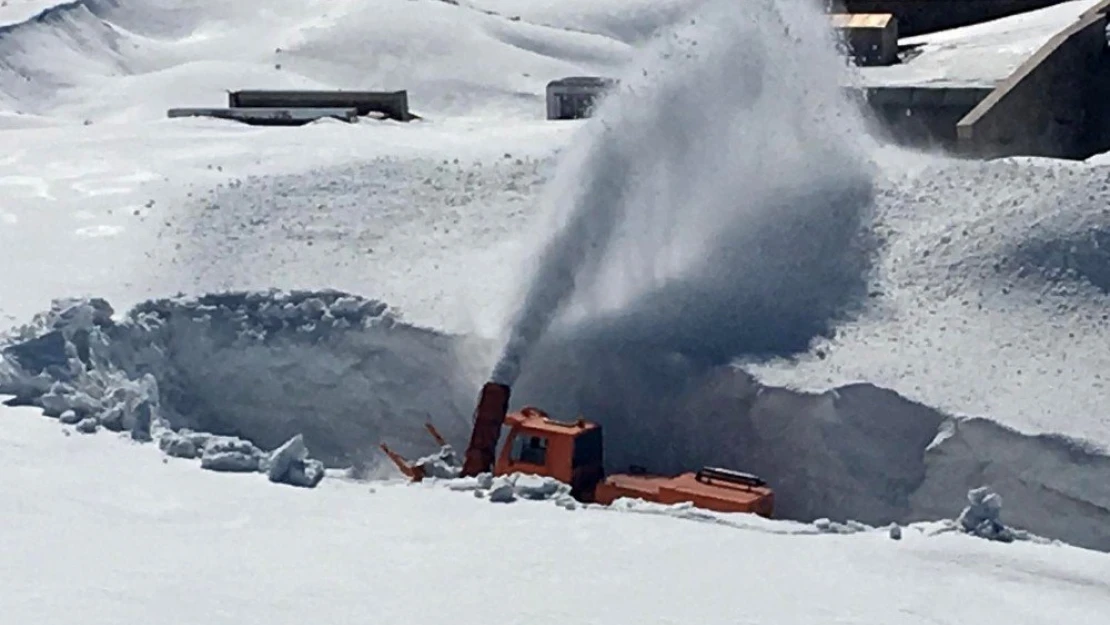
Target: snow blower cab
[(571, 452)]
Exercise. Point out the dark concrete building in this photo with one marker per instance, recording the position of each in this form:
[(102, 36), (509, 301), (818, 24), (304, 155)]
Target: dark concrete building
[(574, 97)]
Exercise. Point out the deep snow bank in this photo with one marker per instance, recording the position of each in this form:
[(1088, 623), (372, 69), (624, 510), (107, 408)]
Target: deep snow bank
[(347, 374), (263, 366)]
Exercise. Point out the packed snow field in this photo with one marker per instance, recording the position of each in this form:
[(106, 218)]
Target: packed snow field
[(873, 332), (166, 539)]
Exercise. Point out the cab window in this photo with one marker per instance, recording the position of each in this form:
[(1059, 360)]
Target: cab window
[(530, 450)]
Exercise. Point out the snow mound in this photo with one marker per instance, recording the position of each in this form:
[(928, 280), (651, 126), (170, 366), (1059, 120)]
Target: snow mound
[(983, 516), (989, 296), (436, 228), (225, 376)]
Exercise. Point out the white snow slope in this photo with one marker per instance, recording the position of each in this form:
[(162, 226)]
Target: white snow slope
[(984, 296)]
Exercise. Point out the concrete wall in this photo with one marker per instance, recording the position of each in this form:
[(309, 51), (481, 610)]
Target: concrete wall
[(392, 104), (922, 16), (1048, 106), (921, 117), (575, 97)]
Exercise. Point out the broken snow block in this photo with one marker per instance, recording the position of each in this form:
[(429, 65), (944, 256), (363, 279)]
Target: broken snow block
[(88, 425), (443, 464), (982, 517), (567, 503), (53, 403), (306, 473), (62, 397), (69, 417), (231, 455), (537, 487), (290, 464), (283, 456), (502, 493), (177, 446), (199, 440), (463, 484), (112, 418)]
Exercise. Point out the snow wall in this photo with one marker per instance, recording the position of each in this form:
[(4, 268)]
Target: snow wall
[(347, 374)]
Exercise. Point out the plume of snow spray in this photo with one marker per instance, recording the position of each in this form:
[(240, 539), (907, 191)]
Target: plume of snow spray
[(712, 207)]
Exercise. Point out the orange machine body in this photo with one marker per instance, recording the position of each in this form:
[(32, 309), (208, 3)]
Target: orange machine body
[(573, 453), (708, 488)]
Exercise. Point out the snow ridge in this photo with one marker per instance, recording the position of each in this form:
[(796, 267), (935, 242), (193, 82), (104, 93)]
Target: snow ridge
[(104, 60), (52, 14), (73, 32)]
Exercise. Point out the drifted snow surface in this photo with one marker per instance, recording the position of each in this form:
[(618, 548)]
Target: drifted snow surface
[(346, 374), (991, 296)]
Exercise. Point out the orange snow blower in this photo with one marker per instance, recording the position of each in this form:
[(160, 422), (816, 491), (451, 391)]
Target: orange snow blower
[(572, 452)]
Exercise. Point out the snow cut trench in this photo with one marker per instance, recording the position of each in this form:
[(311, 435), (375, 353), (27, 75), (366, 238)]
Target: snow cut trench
[(346, 373)]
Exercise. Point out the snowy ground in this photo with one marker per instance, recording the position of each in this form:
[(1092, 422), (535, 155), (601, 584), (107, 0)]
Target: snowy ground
[(112, 534), (987, 299)]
